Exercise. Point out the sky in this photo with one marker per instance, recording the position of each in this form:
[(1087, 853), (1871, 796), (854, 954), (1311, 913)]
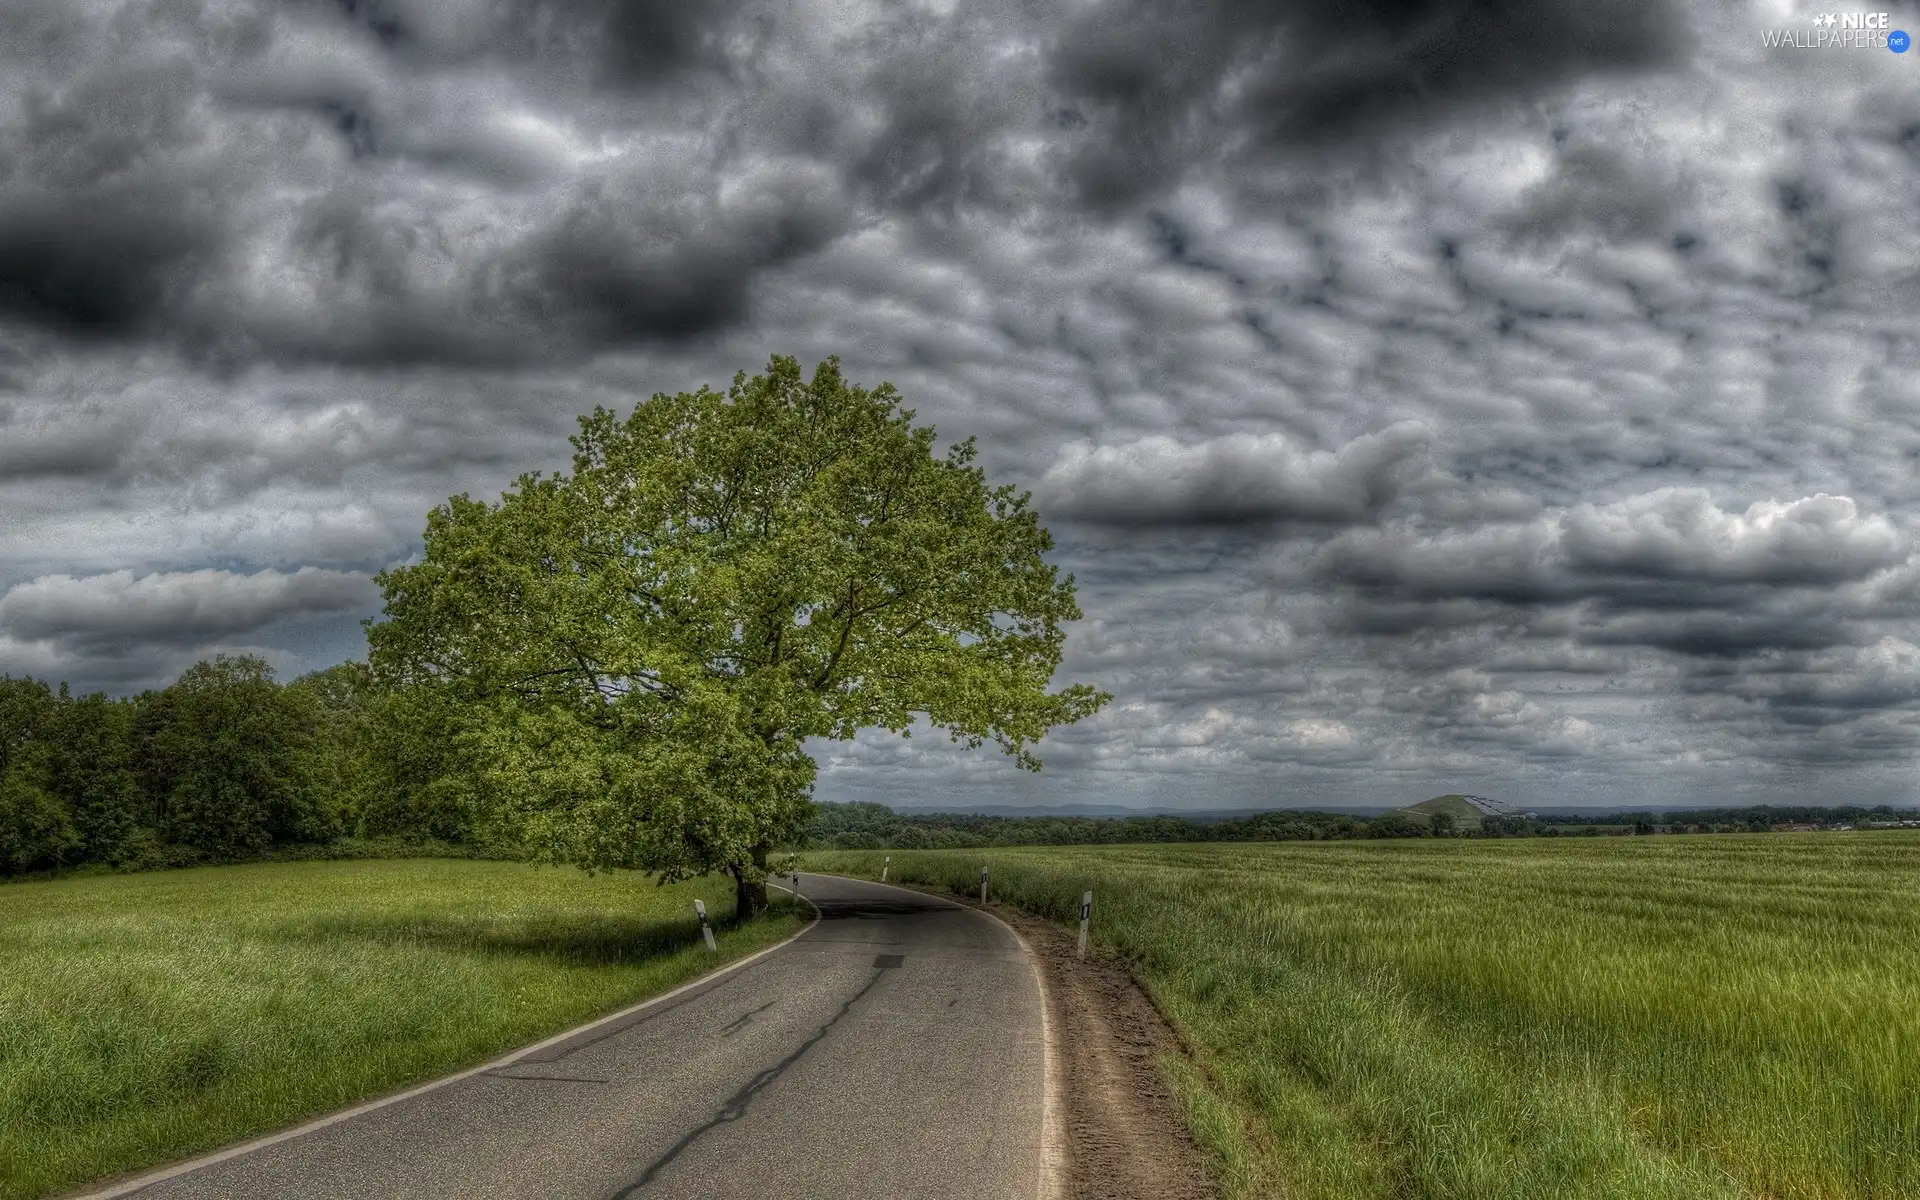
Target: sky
[(1427, 395)]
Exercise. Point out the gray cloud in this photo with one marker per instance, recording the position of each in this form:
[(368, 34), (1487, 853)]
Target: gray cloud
[(1160, 81), (177, 606), (1670, 547), (1452, 396), (103, 262), (1239, 477)]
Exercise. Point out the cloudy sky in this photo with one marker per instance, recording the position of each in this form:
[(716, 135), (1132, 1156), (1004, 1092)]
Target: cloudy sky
[(1428, 395)]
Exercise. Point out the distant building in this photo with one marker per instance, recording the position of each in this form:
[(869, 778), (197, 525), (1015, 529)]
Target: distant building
[(1494, 808)]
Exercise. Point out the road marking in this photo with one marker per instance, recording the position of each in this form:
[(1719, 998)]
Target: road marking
[(1053, 1158), (207, 1160)]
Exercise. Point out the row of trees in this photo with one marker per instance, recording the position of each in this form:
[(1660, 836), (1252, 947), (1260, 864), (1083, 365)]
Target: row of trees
[(1758, 818), (876, 826), (228, 763), (225, 762)]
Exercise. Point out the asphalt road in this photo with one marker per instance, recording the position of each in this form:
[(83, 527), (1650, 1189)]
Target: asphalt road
[(895, 1049)]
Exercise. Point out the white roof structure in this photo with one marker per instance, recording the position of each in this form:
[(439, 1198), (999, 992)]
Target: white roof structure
[(1492, 808)]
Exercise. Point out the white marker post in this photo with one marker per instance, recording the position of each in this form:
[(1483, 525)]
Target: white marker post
[(983, 885), (1086, 914), (706, 930), (884, 864)]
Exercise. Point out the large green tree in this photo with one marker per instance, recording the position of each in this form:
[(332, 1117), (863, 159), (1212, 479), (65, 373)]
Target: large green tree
[(645, 643)]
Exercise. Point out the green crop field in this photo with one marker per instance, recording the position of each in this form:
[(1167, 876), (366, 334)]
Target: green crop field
[(147, 1017), (1613, 1017)]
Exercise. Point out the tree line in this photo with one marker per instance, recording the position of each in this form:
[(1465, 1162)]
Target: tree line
[(1756, 818), (227, 763), (224, 763), (868, 826)]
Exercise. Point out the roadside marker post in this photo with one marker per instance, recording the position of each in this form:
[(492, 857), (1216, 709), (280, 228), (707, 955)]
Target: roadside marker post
[(884, 864), (706, 930), (1086, 914), (983, 885)]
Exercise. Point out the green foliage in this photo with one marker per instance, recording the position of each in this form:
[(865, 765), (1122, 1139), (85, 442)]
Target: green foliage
[(637, 650), (36, 831), (237, 750), (414, 776), (225, 763), (89, 771), (333, 705), (25, 707)]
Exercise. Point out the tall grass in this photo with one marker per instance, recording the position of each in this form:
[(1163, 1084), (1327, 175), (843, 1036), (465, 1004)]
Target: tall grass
[(147, 1017), (1645, 1017)]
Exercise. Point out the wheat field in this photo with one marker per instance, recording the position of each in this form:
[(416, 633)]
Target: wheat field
[(1674, 1016)]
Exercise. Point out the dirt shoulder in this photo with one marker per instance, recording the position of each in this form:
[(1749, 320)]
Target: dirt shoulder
[(1124, 1136)]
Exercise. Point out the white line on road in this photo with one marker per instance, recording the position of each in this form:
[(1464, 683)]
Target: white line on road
[(1053, 1158), (148, 1180)]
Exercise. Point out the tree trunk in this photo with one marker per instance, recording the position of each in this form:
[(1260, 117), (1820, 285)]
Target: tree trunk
[(750, 885)]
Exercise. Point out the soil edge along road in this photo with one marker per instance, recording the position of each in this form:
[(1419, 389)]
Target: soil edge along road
[(894, 1049)]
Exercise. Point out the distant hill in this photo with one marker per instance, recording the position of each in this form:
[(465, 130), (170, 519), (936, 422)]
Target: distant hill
[(1467, 811)]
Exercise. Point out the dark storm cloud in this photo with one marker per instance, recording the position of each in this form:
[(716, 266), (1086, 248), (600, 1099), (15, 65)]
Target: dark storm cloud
[(85, 447), (1237, 478), (120, 608), (1604, 189), (294, 184), (101, 232), (1161, 83), (631, 43), (1387, 60), (125, 631), (1786, 611), (106, 265), (690, 273)]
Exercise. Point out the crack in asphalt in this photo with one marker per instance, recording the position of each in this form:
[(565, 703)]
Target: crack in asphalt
[(740, 1024), (736, 1104)]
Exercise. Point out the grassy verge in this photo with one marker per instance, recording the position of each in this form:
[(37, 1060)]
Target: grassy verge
[(145, 1018), (1664, 1017)]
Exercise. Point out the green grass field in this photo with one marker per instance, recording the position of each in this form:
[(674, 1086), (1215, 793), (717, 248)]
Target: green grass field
[(1711, 1016), (147, 1017)]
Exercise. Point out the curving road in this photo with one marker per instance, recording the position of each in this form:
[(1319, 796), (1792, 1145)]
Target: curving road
[(894, 1049)]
